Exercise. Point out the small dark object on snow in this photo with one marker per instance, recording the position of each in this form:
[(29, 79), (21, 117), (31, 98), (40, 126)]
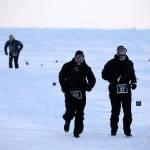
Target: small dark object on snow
[(149, 60), (54, 83), (27, 63), (56, 61), (41, 65), (138, 103)]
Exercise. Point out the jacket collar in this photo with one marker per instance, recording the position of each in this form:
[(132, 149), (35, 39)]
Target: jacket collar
[(75, 63), (117, 57)]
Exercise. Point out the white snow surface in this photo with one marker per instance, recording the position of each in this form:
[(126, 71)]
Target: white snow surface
[(31, 108)]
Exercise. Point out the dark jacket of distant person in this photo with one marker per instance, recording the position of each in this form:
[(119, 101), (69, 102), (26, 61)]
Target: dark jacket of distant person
[(14, 46)]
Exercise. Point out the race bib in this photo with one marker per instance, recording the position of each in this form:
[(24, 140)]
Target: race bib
[(122, 89), (76, 94)]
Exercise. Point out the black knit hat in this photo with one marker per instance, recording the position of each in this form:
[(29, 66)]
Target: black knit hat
[(79, 52)]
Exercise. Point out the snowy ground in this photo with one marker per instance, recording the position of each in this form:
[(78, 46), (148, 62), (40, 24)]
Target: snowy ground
[(31, 108)]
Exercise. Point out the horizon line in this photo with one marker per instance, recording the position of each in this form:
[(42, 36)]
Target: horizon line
[(72, 28)]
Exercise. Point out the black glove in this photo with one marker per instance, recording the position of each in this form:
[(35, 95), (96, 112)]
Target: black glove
[(6, 53), (133, 86)]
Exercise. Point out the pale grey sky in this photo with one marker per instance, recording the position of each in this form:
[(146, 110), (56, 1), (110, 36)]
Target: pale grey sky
[(75, 13)]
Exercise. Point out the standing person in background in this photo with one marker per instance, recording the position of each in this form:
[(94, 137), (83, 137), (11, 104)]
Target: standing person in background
[(120, 74), (15, 47), (75, 78)]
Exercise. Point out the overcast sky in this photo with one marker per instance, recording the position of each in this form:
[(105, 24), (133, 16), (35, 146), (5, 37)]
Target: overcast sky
[(75, 13)]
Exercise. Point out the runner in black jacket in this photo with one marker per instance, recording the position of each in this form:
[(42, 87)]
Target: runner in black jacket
[(119, 72), (75, 78), (14, 50)]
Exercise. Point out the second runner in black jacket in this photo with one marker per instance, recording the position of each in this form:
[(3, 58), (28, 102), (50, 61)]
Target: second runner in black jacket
[(120, 74)]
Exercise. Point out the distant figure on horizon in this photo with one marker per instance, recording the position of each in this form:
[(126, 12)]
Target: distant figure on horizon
[(75, 78), (120, 74), (15, 47)]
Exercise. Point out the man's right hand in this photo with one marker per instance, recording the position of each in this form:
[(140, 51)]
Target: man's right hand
[(6, 53)]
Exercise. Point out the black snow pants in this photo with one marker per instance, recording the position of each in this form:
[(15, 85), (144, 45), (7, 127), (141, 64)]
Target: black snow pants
[(75, 108), (15, 59), (116, 102)]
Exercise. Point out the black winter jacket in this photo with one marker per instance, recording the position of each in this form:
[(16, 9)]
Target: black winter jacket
[(14, 46), (76, 77), (116, 68)]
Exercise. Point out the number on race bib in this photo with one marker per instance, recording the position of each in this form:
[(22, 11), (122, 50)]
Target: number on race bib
[(76, 94), (122, 88)]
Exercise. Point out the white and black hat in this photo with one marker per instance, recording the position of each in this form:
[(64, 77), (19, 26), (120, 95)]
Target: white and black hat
[(120, 48)]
